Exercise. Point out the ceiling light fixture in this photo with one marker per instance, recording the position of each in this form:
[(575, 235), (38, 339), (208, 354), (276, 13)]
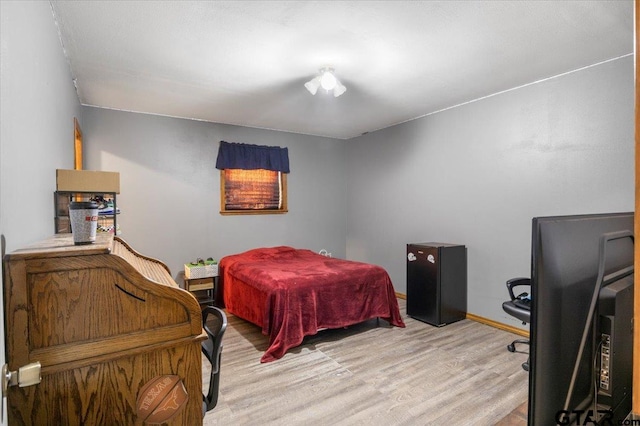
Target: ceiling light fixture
[(328, 81)]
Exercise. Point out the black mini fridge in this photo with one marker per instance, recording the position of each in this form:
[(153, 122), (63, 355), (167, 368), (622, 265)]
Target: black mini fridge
[(437, 282)]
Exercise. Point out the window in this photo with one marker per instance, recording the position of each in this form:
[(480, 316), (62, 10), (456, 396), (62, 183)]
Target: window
[(257, 191), (253, 178)]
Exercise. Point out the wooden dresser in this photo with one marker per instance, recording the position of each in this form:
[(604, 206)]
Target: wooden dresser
[(103, 321)]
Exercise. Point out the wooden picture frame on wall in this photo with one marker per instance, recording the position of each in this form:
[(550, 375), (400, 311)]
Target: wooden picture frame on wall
[(77, 136)]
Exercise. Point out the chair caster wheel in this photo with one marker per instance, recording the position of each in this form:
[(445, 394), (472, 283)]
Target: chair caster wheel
[(525, 366), (511, 347)]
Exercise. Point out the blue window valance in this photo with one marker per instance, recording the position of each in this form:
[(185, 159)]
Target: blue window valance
[(252, 157)]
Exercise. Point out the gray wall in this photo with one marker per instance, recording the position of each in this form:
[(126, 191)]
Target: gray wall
[(170, 189), (477, 174), (38, 103), (474, 175)]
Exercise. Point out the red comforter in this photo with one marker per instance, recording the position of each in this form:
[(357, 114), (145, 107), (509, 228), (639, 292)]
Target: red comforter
[(293, 293)]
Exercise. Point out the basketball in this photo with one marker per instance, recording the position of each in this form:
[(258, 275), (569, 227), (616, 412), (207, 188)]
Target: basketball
[(161, 398)]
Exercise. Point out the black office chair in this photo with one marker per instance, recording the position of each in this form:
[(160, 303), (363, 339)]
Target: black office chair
[(214, 322), (519, 307)]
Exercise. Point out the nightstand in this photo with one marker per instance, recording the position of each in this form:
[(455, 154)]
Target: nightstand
[(202, 289)]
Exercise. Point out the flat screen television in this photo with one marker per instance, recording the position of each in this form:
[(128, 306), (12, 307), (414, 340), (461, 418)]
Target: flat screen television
[(581, 313)]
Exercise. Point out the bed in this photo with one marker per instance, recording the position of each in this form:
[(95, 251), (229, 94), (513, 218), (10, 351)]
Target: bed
[(292, 293)]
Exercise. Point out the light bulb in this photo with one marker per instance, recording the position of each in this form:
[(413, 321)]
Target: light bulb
[(328, 80)]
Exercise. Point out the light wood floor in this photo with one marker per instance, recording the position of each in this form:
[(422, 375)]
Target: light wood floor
[(370, 374)]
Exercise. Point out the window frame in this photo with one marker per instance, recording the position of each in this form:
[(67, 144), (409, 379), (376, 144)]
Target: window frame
[(283, 209)]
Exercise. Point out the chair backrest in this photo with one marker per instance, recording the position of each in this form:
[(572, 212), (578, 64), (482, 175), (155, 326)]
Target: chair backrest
[(215, 330), (214, 322)]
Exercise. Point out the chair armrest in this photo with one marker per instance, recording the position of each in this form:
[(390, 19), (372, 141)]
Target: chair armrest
[(515, 282)]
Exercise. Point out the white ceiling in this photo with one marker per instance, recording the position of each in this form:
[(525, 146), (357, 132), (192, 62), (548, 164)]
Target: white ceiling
[(246, 62)]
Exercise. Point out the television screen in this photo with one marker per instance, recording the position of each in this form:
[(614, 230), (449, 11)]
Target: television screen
[(565, 261)]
